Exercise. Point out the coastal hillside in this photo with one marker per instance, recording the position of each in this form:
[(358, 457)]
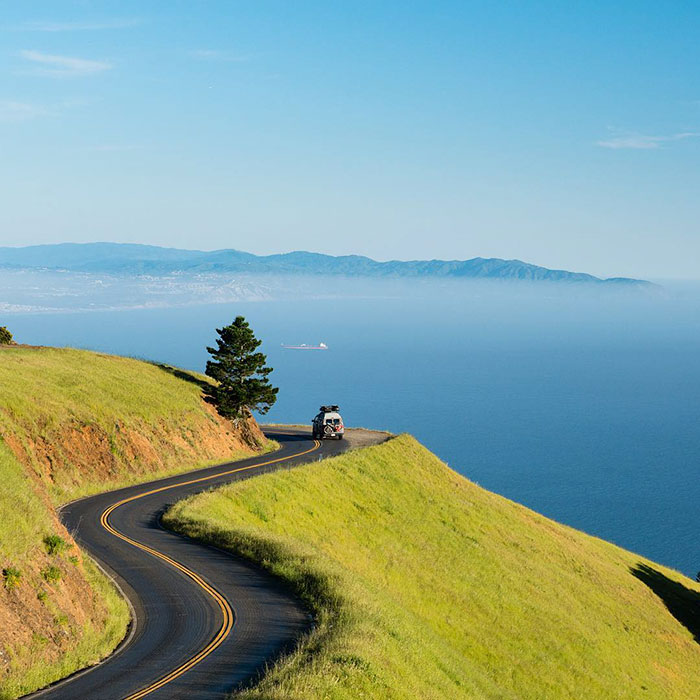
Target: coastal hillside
[(425, 585), (74, 423)]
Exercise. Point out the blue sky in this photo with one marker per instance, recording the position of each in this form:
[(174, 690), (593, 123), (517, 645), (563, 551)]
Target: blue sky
[(565, 136)]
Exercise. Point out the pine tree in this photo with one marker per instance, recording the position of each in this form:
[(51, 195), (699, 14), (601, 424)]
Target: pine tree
[(240, 373), (5, 336)]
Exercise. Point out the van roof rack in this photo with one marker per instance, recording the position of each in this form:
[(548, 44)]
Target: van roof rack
[(328, 409)]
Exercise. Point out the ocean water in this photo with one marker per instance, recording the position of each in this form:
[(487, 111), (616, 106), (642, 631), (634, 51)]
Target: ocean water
[(583, 407)]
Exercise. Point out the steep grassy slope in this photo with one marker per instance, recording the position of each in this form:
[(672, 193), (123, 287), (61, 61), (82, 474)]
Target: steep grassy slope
[(73, 423), (427, 586), (84, 421)]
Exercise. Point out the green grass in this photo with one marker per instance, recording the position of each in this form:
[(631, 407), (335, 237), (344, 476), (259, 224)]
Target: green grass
[(51, 574), (24, 517), (44, 386), (11, 577), (424, 585), (55, 545)]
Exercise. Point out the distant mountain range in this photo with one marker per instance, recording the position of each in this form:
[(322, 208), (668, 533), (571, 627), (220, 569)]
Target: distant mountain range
[(122, 259)]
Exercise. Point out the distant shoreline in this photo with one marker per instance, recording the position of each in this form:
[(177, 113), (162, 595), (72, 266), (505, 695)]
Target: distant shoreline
[(136, 259)]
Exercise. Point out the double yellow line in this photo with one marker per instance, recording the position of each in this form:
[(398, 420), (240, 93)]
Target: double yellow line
[(227, 611)]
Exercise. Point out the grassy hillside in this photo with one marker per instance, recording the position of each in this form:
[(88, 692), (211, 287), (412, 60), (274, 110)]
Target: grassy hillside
[(85, 421), (425, 585), (73, 423)]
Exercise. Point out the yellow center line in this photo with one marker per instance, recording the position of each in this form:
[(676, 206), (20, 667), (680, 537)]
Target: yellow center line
[(227, 611)]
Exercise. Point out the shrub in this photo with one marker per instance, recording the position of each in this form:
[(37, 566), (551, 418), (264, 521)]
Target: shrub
[(12, 577), (39, 641), (42, 595), (5, 336), (51, 574), (55, 544)]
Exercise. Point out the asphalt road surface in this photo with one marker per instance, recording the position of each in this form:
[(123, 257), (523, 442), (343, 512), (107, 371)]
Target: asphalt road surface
[(204, 621)]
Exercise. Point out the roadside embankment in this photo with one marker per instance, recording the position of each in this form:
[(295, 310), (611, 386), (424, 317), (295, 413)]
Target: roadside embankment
[(73, 423), (424, 585)]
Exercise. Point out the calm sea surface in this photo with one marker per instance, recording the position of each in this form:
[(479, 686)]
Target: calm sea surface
[(586, 410)]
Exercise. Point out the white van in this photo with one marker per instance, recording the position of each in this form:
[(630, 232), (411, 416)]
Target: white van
[(328, 424)]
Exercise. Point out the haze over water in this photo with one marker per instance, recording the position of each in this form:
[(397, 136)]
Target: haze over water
[(583, 407)]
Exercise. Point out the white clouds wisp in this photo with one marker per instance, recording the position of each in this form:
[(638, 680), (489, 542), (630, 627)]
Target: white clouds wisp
[(11, 111), (218, 55), (114, 148), (642, 141), (79, 26), (63, 66)]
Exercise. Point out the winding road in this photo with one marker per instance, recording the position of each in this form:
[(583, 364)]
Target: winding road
[(203, 621)]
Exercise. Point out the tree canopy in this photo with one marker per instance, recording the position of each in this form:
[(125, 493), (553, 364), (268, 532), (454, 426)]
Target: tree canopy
[(240, 372), (5, 336)]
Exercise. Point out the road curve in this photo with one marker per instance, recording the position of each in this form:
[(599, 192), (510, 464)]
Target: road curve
[(204, 621)]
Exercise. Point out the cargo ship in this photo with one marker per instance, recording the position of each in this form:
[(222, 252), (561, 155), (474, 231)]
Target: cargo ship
[(304, 346)]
